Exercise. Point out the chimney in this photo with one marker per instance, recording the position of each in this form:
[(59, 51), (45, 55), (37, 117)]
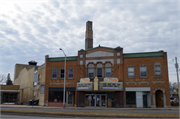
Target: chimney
[(89, 35)]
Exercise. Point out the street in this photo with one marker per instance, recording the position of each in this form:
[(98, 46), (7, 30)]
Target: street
[(154, 111), (46, 117)]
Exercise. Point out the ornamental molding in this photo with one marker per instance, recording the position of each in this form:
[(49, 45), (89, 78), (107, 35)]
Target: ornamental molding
[(148, 82), (158, 82)]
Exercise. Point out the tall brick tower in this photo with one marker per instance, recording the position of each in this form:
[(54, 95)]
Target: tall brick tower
[(88, 35)]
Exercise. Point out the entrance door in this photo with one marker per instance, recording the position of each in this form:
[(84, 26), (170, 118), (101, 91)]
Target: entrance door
[(70, 99), (98, 100), (95, 100), (103, 100), (144, 101), (92, 102), (159, 99)]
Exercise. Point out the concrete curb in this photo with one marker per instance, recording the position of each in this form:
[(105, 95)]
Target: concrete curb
[(88, 114), (89, 108)]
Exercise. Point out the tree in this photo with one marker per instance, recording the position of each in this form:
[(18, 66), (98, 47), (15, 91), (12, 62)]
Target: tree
[(173, 86), (9, 82), (2, 78)]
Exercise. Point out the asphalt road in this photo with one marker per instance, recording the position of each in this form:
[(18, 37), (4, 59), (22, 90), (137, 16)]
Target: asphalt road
[(46, 117), (167, 111)]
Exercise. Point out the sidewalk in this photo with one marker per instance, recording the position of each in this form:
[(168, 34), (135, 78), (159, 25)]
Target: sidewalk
[(88, 108)]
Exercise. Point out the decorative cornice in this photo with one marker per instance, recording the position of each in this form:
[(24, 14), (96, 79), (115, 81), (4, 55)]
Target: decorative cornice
[(148, 82), (158, 82)]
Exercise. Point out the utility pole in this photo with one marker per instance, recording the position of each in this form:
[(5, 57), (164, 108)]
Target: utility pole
[(176, 66)]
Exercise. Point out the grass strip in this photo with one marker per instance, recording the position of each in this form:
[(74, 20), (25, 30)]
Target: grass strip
[(94, 114)]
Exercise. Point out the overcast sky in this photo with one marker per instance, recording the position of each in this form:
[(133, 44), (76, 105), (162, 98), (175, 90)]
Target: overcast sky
[(31, 30)]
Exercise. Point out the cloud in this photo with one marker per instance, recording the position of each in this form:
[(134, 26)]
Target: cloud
[(31, 30)]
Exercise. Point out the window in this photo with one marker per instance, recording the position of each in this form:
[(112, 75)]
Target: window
[(56, 96), (91, 73), (62, 73), (54, 73), (130, 72), (39, 77), (70, 73), (143, 71), (42, 89), (35, 78), (99, 72), (107, 72), (157, 70), (131, 98)]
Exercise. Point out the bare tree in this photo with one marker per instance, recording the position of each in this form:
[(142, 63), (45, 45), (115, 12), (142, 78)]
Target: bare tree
[(2, 79), (173, 86)]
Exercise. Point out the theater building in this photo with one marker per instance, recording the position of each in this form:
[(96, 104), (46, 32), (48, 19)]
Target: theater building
[(107, 77)]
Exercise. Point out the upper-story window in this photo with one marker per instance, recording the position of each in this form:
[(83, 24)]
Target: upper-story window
[(91, 71), (157, 69), (143, 71), (99, 70), (54, 73), (61, 73), (70, 73), (130, 72), (108, 70), (39, 78)]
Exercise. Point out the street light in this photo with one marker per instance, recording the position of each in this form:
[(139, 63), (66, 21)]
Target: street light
[(64, 79)]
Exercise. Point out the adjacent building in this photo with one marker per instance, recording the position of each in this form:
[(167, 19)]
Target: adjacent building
[(106, 77), (31, 79)]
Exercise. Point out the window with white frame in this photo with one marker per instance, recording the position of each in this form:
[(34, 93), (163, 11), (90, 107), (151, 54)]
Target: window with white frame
[(54, 73), (107, 72), (61, 73), (70, 73), (90, 72), (143, 71), (157, 69), (130, 72)]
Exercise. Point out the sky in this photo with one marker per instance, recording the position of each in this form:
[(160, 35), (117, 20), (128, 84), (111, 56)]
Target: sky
[(31, 29)]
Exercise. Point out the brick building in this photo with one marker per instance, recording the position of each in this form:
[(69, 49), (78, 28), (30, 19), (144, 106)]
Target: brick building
[(107, 77)]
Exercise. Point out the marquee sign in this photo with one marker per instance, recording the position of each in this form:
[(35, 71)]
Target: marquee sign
[(87, 86), (111, 86)]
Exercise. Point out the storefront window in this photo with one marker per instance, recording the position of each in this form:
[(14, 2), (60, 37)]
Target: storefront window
[(55, 96), (131, 98)]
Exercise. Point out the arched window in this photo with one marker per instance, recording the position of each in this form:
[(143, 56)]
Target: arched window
[(91, 71), (157, 69), (99, 70), (108, 70)]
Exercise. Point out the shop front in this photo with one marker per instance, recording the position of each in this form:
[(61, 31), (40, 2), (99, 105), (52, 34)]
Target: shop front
[(139, 97), (107, 93), (56, 97)]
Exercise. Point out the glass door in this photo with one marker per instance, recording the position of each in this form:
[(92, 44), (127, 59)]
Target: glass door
[(93, 97), (103, 100), (98, 100)]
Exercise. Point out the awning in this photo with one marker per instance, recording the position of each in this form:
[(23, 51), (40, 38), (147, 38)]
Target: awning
[(10, 91)]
